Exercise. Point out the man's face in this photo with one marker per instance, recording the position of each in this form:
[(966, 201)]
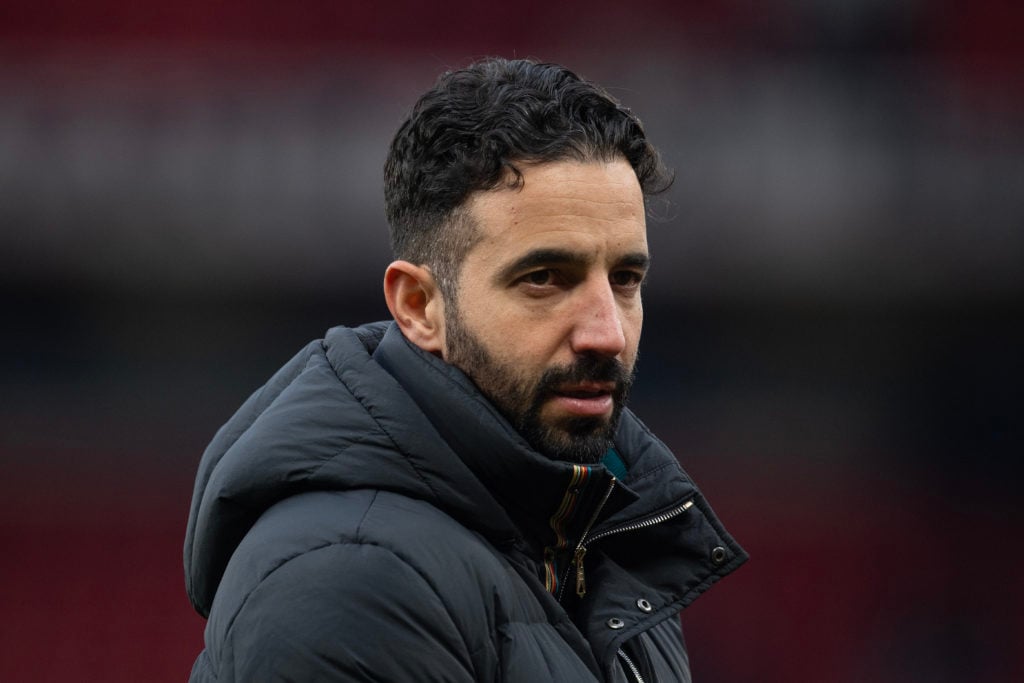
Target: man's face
[(548, 313)]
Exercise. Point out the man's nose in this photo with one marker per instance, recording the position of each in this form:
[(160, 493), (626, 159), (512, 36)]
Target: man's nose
[(598, 325)]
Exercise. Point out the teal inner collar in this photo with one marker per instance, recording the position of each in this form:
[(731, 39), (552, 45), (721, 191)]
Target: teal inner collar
[(614, 463)]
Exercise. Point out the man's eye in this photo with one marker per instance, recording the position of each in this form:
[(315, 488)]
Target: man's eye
[(626, 278), (539, 277)]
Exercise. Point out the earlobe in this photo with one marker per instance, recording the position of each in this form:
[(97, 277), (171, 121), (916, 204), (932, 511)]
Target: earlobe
[(416, 304)]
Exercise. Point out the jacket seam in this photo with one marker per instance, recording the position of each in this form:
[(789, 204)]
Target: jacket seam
[(372, 413), (672, 463), (358, 441), (652, 472)]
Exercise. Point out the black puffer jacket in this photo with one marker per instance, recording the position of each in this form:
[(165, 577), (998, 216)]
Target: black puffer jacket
[(368, 516)]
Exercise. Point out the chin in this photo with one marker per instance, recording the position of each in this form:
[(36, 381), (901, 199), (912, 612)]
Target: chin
[(582, 440)]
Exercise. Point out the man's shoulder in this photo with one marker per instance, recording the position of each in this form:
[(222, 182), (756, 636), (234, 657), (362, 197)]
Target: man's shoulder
[(335, 561), (366, 516), (329, 537)]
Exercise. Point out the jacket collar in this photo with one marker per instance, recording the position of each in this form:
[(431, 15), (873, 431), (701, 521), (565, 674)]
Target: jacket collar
[(670, 562), (543, 497)]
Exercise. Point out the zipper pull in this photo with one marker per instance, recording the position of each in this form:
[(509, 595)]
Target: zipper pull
[(581, 582)]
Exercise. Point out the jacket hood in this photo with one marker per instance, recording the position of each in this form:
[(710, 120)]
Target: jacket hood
[(331, 419)]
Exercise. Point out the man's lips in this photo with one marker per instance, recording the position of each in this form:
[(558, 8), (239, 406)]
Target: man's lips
[(585, 399), (585, 389)]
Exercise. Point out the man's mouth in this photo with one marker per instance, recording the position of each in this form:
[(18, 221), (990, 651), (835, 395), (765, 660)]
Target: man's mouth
[(588, 390), (585, 400)]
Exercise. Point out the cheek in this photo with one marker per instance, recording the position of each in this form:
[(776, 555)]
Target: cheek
[(632, 327)]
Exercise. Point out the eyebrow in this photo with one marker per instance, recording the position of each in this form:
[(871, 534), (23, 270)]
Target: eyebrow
[(636, 260), (563, 257)]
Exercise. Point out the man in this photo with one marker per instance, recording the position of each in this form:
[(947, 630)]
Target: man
[(460, 494)]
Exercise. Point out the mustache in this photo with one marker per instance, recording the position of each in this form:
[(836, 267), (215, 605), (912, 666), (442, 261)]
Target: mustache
[(587, 368)]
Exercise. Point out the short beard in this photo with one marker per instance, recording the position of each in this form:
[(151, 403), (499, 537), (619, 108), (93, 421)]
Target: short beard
[(520, 400)]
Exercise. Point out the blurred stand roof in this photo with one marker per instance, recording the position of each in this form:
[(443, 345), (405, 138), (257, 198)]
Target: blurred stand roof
[(866, 152)]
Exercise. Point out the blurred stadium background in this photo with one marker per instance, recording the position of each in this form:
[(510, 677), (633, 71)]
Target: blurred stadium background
[(190, 192)]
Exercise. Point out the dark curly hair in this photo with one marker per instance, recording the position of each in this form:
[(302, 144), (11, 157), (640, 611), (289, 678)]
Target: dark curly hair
[(467, 133)]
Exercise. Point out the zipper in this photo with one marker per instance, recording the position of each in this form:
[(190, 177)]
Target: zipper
[(581, 581), (581, 548), (643, 523), (631, 665)]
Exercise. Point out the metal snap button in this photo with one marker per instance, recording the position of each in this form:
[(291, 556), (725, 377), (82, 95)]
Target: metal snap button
[(644, 604), (718, 555), (615, 623)]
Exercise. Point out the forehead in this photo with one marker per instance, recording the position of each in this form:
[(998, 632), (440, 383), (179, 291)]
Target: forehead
[(592, 207)]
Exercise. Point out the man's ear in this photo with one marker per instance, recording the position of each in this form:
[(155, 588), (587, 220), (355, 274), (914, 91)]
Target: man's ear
[(416, 305)]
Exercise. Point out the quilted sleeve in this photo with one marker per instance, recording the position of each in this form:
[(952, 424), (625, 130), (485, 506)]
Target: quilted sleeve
[(344, 612)]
